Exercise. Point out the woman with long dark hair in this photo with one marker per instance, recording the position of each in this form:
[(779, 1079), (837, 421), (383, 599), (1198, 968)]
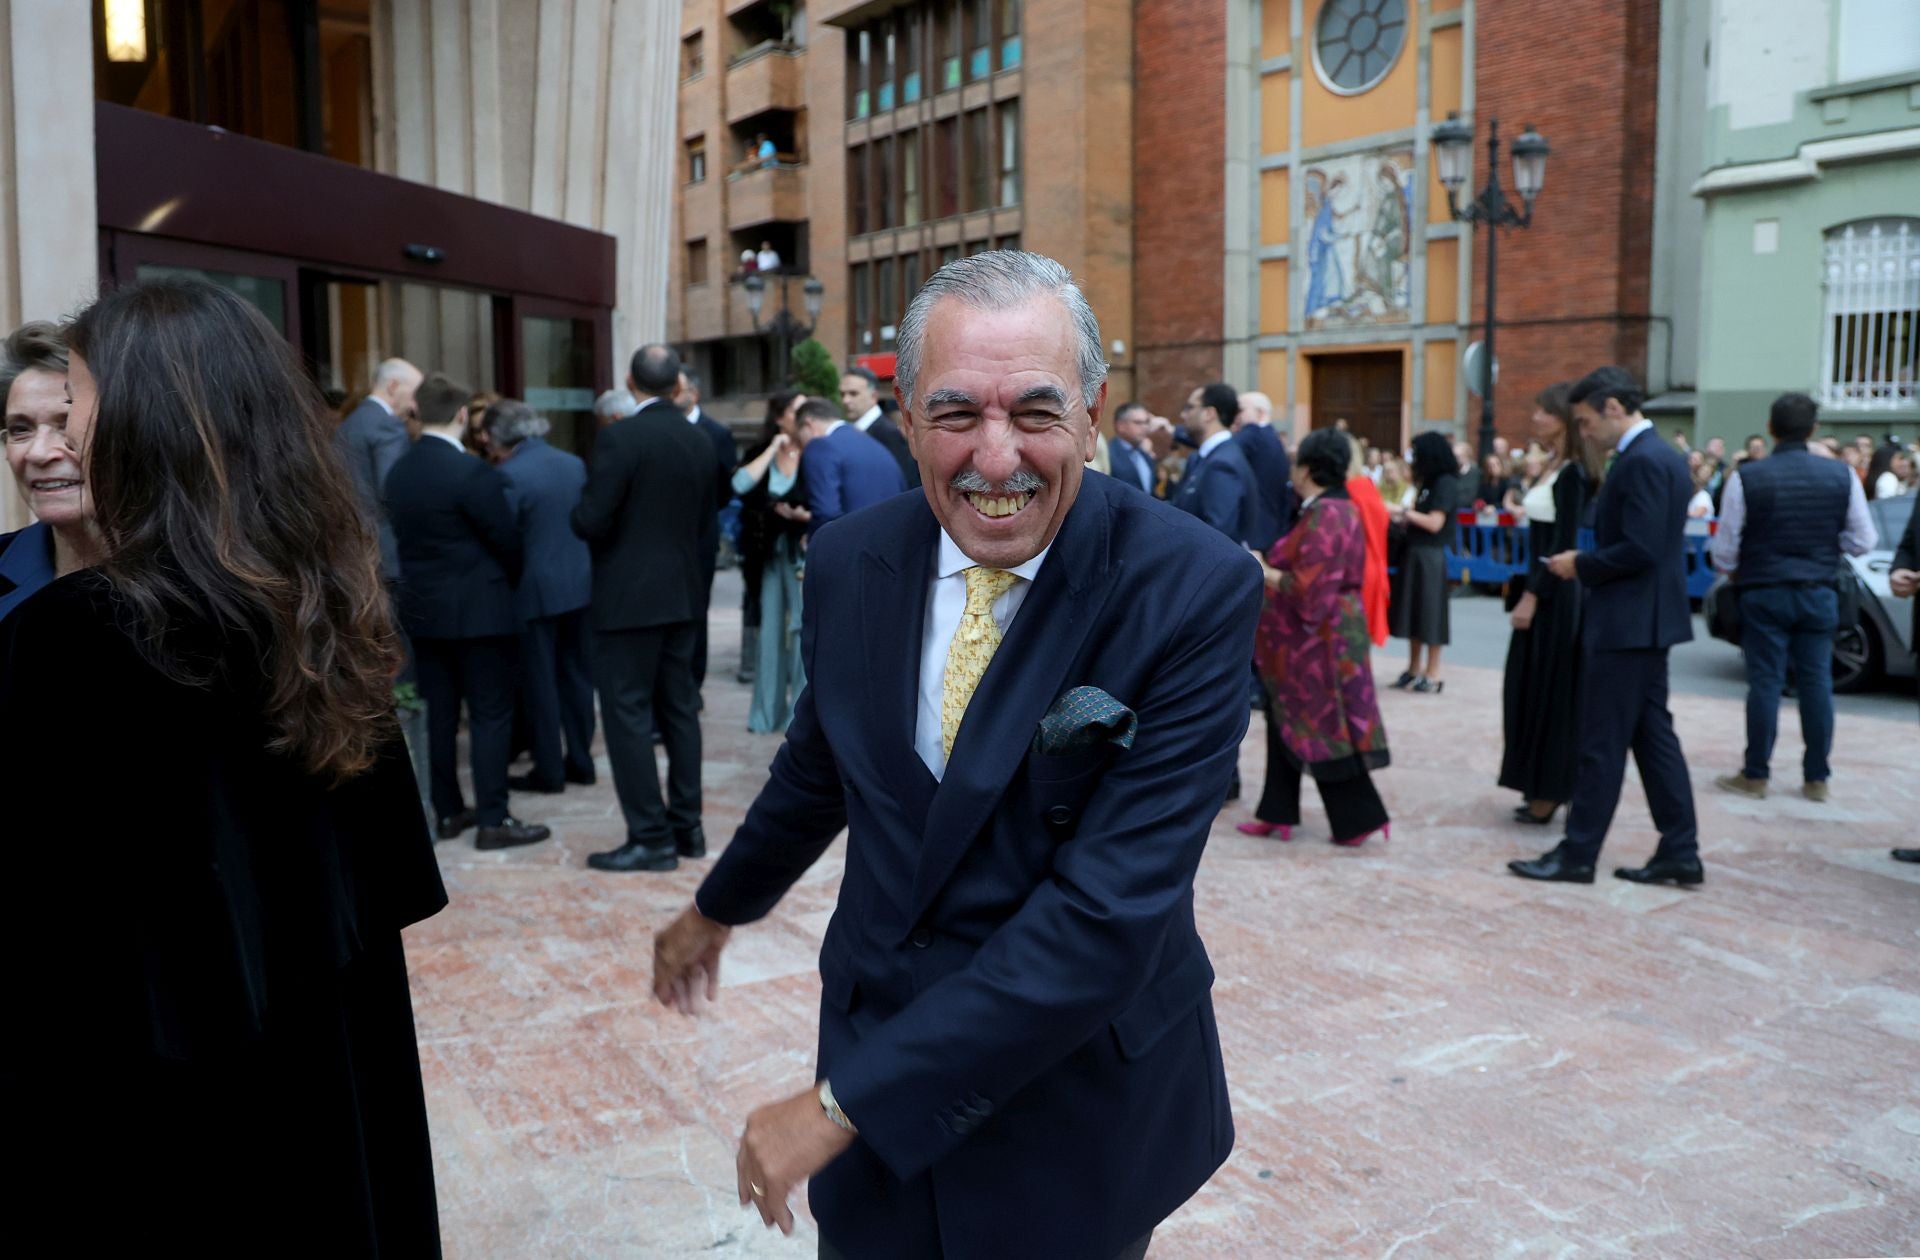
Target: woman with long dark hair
[(773, 511), (1542, 717), (220, 837), (1311, 653), (1420, 611)]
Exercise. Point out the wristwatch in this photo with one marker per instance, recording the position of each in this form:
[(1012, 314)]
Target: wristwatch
[(832, 1108)]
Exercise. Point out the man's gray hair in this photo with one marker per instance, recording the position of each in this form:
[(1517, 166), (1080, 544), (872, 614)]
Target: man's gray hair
[(394, 370), (36, 346), (510, 422), (996, 281), (615, 404)]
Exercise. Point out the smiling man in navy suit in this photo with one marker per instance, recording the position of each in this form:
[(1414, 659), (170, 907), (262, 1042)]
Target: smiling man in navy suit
[(1026, 692), (843, 469)]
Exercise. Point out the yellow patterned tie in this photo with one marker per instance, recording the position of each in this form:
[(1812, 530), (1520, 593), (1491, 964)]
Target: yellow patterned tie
[(972, 648)]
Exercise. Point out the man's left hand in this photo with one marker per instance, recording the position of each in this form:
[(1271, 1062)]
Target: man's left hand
[(784, 1144), (1562, 566)]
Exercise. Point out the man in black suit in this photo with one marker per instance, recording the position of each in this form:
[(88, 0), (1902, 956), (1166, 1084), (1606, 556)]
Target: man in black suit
[(646, 510), (1130, 454), (460, 554), (860, 403), (726, 455), (1636, 611), (1219, 487), (1272, 469)]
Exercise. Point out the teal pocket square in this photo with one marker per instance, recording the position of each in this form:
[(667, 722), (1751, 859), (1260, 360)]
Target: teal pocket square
[(1085, 717)]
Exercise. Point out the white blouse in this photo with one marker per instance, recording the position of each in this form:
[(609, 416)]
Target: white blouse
[(1537, 503)]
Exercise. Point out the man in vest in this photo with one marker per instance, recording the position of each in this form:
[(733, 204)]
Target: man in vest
[(1784, 520)]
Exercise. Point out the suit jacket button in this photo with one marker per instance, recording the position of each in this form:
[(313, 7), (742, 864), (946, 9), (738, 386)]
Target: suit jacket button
[(921, 938), (1060, 815)]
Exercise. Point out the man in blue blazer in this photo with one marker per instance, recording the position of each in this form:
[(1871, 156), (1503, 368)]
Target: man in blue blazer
[(556, 671), (1272, 468), (371, 441), (1220, 487), (1636, 609), (1026, 690), (461, 557), (1130, 455), (843, 469)]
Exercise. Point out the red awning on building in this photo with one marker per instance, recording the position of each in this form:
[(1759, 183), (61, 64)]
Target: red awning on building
[(881, 365)]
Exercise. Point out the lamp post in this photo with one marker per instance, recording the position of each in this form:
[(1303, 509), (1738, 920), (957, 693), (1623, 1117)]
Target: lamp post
[(1452, 155), (784, 327)]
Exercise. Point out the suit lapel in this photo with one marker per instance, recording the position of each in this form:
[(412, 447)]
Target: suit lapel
[(893, 613), (1023, 681)]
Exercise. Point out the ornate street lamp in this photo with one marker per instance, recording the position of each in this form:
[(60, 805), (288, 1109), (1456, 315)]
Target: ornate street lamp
[(1452, 157), (785, 328)]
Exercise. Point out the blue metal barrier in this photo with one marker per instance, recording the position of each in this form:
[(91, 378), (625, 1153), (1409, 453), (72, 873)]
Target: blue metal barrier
[(1494, 551)]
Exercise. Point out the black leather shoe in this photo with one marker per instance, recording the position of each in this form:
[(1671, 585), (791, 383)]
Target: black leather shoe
[(1906, 855), (510, 834), (1685, 872), (585, 778), (528, 783), (455, 825), (691, 844), (1526, 817), (634, 856), (1554, 867), (1405, 681)]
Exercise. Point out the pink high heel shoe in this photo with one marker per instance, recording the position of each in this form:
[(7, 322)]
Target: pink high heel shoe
[(1254, 827), (1385, 833)]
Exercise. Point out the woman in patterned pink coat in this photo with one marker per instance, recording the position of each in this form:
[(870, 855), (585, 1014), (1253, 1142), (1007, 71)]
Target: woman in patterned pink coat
[(1312, 656)]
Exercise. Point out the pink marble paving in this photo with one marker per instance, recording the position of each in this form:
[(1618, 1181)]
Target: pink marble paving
[(1428, 1057)]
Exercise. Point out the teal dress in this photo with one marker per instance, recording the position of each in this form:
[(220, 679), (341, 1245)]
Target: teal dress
[(778, 676)]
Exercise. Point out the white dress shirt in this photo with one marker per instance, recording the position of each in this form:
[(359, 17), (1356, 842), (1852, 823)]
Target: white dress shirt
[(693, 414), (946, 604), (1856, 539), (867, 418)]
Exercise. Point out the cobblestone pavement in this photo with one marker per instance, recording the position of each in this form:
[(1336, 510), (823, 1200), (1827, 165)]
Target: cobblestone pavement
[(1427, 1056)]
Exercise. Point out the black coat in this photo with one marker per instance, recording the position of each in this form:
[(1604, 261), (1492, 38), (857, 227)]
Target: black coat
[(648, 504), (217, 1000), (888, 433), (460, 546)]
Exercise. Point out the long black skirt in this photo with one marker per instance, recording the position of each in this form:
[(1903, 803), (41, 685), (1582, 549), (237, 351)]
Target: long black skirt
[(1420, 609), (1542, 700)]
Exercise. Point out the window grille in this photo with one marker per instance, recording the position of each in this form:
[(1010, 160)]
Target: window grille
[(1871, 354)]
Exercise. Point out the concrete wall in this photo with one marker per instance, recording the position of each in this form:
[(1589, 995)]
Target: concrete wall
[(48, 255)]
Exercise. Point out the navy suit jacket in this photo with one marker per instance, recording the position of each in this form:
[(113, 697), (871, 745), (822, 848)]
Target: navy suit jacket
[(370, 442), (460, 549), (1637, 570), (1132, 467), (1016, 1011), (1221, 490), (546, 483), (845, 471), (1267, 456)]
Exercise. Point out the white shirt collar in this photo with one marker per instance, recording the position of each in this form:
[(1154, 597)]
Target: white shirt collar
[(954, 561), (1217, 441), (453, 442), (384, 404), (1633, 433), (831, 426), (867, 418), (693, 415)]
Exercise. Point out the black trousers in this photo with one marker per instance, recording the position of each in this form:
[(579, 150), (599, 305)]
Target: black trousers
[(556, 693), (478, 672), (1354, 807), (1623, 705), (646, 676), (1133, 1251), (710, 561)]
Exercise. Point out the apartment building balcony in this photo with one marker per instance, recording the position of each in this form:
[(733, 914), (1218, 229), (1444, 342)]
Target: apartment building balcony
[(773, 194), (768, 77)]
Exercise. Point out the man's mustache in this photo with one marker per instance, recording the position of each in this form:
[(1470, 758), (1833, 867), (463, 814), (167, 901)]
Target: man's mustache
[(970, 481)]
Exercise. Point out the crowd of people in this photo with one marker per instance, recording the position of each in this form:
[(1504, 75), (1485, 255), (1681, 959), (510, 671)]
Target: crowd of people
[(252, 579)]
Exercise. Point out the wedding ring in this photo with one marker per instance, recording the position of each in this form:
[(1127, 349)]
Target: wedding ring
[(757, 1191)]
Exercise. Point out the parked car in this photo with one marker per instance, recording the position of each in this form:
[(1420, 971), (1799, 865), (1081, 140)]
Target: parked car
[(1879, 642)]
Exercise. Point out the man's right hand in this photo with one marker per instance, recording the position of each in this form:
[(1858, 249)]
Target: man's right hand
[(1905, 582), (686, 961)]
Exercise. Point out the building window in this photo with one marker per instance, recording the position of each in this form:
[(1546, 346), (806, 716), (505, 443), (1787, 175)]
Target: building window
[(1008, 242), (693, 56), (1009, 166), (977, 247), (945, 175), (946, 45), (909, 279), (697, 160), (859, 73), (886, 298), (909, 178), (912, 23), (1355, 42), (1009, 34), (862, 304), (858, 218), (888, 68), (979, 159), (979, 33), (1871, 354), (697, 261), (949, 253), (882, 207)]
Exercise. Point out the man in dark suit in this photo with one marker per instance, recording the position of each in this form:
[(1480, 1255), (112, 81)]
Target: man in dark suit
[(1130, 454), (1016, 998), (843, 469), (1636, 610), (726, 455), (556, 681), (1272, 468), (461, 556), (645, 511), (1219, 485), (860, 403), (371, 441)]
